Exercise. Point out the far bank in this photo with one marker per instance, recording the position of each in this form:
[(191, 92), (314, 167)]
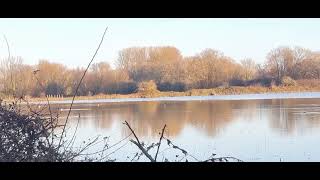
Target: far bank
[(233, 90)]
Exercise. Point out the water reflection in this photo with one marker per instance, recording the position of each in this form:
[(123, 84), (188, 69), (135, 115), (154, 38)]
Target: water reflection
[(210, 117), (293, 115)]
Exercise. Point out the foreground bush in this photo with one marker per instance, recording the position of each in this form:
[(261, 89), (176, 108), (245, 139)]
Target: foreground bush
[(31, 137), (25, 138)]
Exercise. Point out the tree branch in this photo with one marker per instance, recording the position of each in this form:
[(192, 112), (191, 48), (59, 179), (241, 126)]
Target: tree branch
[(155, 158), (139, 144), (75, 93), (143, 150), (9, 55)]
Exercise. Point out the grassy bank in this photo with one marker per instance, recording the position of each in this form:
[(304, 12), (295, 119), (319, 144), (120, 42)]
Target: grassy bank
[(233, 90)]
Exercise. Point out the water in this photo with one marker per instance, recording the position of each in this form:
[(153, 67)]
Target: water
[(251, 130)]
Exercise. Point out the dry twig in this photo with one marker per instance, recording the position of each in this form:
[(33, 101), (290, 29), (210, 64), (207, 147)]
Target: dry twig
[(155, 158), (75, 93), (139, 144)]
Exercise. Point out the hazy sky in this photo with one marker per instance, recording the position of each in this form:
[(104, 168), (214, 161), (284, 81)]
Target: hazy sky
[(73, 41)]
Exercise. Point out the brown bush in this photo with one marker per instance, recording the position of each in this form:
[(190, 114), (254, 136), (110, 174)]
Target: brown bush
[(309, 82), (288, 81), (23, 138), (147, 88)]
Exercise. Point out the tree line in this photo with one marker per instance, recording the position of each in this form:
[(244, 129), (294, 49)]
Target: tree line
[(163, 65)]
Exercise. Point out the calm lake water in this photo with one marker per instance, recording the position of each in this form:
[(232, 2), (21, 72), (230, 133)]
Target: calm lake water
[(251, 130)]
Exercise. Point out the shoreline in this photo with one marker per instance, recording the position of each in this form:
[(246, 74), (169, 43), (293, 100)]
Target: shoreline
[(225, 93), (259, 96)]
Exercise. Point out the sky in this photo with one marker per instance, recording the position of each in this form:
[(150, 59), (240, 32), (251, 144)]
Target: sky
[(73, 41)]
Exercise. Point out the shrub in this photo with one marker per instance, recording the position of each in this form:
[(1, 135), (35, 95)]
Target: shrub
[(121, 88), (147, 88), (309, 82), (266, 82), (222, 85), (168, 86), (23, 138), (36, 91), (54, 88), (237, 82), (288, 81)]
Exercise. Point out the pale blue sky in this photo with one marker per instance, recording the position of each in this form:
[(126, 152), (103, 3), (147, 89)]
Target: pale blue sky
[(73, 41)]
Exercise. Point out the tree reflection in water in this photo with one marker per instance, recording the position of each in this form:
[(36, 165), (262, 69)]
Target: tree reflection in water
[(211, 117)]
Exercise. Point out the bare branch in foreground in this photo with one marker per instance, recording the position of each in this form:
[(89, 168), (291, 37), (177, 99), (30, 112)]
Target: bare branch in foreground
[(170, 144), (139, 144), (155, 158), (75, 93)]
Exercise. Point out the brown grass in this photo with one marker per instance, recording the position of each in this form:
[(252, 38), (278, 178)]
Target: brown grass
[(309, 82)]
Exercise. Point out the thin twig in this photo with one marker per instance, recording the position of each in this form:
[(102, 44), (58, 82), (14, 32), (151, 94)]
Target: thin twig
[(74, 134), (182, 150), (119, 141), (7, 46), (221, 158), (114, 151), (155, 158), (109, 147), (75, 93), (9, 57), (83, 149)]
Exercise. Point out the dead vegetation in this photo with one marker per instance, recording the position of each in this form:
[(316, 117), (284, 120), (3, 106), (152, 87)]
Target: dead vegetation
[(184, 155), (28, 136)]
